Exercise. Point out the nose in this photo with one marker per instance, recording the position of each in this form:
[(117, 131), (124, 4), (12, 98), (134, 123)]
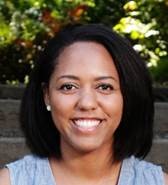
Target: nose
[(87, 100)]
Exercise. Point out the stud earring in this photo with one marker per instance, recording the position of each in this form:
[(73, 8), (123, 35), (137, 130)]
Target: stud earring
[(48, 107)]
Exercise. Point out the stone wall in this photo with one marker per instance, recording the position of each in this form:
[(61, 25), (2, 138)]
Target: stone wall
[(12, 142)]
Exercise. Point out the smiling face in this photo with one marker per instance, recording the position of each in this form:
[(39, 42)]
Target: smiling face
[(85, 97)]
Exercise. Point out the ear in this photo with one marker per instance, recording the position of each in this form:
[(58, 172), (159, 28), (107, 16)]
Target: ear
[(45, 94)]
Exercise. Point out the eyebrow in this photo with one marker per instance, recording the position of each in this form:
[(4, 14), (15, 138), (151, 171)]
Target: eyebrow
[(105, 77), (68, 76), (96, 79)]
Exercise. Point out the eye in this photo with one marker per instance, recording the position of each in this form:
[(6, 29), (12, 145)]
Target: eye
[(105, 88), (68, 87)]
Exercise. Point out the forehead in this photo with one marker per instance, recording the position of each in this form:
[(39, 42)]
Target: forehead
[(85, 56), (79, 48)]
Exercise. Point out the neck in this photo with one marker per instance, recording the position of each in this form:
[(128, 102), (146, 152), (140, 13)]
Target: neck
[(91, 165)]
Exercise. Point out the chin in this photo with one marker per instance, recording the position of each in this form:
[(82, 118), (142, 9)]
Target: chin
[(85, 148)]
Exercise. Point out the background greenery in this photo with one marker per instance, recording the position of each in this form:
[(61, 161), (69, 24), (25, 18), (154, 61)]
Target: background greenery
[(26, 25)]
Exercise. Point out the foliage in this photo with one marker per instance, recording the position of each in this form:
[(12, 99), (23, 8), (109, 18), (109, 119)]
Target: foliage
[(142, 25), (160, 73), (26, 25), (108, 12), (25, 28)]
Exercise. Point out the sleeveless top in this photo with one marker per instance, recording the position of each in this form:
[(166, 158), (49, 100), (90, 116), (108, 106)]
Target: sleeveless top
[(32, 170)]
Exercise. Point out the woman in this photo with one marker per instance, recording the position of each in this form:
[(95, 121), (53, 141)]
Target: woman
[(87, 114)]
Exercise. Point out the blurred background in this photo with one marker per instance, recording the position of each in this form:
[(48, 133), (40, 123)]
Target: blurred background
[(26, 25)]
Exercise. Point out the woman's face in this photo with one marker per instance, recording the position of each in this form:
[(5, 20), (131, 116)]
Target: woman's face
[(85, 97)]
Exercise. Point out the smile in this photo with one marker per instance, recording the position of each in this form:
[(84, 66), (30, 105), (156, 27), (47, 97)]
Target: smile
[(87, 124)]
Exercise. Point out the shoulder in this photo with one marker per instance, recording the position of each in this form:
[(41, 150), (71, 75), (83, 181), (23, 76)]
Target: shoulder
[(4, 176), (166, 178), (27, 161), (141, 165), (145, 165), (145, 172), (24, 171)]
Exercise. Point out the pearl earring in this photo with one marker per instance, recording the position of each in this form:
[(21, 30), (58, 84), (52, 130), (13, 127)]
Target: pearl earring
[(48, 107)]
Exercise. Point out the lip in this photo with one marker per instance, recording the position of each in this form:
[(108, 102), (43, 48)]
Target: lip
[(86, 129), (87, 118)]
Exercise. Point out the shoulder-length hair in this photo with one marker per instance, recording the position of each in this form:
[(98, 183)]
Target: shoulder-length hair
[(135, 132)]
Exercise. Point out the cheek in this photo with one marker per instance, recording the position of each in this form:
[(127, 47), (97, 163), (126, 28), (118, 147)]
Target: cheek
[(62, 107), (113, 106)]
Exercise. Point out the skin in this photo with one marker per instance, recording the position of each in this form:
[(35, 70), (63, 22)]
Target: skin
[(85, 68), (4, 177), (85, 86), (166, 178), (84, 94)]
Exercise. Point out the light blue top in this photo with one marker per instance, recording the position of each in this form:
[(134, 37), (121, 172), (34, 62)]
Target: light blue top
[(32, 170)]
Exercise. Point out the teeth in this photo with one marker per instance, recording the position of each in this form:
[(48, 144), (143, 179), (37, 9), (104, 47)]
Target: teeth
[(87, 123)]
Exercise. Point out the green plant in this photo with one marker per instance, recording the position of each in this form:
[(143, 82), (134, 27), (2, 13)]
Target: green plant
[(27, 25)]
